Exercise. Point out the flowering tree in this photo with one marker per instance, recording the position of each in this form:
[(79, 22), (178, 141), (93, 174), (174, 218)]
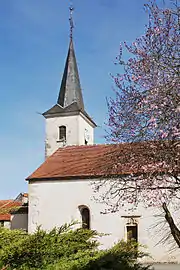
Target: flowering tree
[(147, 104), (146, 113)]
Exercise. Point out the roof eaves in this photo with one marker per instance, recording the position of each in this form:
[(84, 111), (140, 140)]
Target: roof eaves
[(84, 113), (75, 177), (94, 176)]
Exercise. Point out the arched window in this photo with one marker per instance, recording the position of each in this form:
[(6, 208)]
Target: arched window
[(62, 133), (85, 215)]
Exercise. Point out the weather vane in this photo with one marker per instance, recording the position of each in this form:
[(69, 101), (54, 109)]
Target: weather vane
[(71, 9)]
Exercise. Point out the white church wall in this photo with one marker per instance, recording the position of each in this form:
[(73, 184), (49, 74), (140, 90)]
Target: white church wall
[(52, 132), (86, 131), (53, 203), (75, 130), (152, 231)]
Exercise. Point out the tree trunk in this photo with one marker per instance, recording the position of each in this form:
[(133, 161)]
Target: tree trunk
[(174, 229)]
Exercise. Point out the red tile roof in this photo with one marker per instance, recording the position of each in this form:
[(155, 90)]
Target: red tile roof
[(5, 217), (74, 162), (5, 207)]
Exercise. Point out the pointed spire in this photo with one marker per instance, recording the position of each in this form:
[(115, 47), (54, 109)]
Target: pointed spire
[(70, 90)]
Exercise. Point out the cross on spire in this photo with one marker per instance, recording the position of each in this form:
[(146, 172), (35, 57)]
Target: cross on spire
[(71, 9)]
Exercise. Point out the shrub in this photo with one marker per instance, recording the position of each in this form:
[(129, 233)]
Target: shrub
[(64, 248), (19, 249), (123, 256)]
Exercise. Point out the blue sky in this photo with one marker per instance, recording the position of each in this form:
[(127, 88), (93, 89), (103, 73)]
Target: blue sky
[(34, 37)]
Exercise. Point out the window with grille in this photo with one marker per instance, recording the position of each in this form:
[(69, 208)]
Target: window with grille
[(62, 133)]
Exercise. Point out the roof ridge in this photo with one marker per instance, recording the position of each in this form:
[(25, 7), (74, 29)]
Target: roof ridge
[(87, 145)]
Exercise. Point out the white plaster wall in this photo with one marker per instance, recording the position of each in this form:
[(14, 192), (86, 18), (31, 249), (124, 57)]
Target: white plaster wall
[(75, 126), (7, 224), (19, 221), (53, 203), (85, 125)]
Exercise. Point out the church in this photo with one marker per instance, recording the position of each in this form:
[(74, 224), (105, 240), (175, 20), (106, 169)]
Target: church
[(60, 190)]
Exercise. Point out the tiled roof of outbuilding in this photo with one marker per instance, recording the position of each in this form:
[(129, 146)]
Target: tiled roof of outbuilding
[(5, 207)]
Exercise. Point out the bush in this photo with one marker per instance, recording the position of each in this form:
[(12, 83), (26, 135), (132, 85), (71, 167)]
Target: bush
[(64, 248), (123, 256), (19, 249)]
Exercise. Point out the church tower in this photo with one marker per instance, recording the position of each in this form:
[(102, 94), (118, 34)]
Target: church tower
[(67, 122)]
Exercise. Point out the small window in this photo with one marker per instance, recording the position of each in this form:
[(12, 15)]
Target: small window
[(85, 214), (132, 233), (62, 133)]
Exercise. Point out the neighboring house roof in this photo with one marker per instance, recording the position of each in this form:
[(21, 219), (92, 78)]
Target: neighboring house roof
[(94, 161), (21, 196), (6, 206)]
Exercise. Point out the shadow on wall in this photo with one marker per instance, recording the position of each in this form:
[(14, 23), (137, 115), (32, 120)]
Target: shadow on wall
[(19, 220)]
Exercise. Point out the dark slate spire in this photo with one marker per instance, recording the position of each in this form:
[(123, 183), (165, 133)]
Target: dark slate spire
[(70, 90), (70, 100)]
